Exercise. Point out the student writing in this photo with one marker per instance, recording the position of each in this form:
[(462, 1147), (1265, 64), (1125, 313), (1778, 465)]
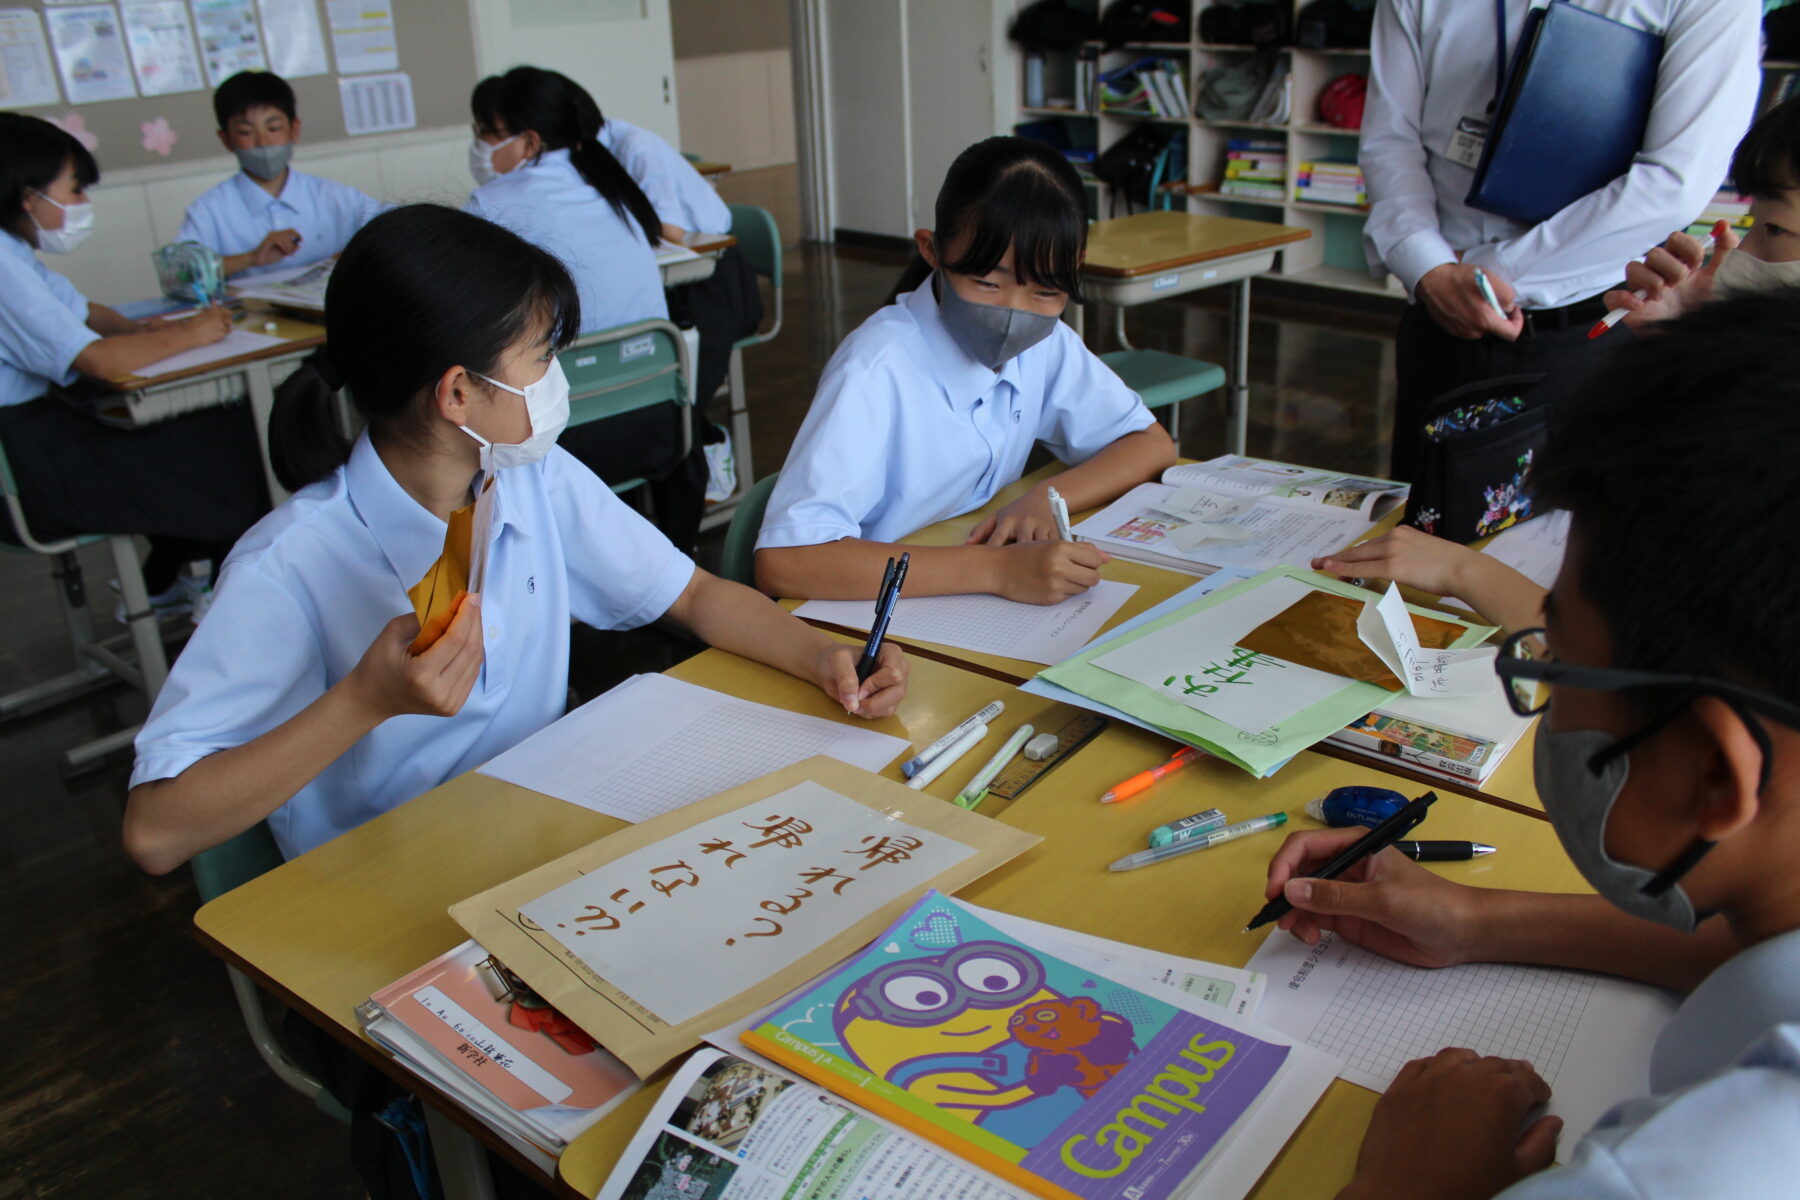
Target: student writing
[(269, 215), (191, 484), (299, 700), (932, 405), (1669, 763)]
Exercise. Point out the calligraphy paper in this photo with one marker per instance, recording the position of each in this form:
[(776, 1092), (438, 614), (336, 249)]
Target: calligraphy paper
[(958, 846), (1321, 631)]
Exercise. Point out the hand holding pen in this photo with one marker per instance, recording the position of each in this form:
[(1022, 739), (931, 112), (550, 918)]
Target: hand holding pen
[(1674, 278), (889, 595), (1370, 843)]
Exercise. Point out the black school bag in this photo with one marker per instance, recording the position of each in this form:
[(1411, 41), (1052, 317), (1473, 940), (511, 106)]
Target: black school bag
[(1140, 21), (1053, 25), (1129, 165), (1479, 447)]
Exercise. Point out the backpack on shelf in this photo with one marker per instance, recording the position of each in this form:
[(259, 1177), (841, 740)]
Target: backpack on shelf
[(1053, 25), (1134, 21), (1257, 23), (1136, 164), (1335, 25)]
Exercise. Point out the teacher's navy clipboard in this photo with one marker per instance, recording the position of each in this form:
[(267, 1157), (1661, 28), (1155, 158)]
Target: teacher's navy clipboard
[(1573, 115)]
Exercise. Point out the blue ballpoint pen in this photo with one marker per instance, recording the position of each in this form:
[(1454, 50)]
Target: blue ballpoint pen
[(884, 612)]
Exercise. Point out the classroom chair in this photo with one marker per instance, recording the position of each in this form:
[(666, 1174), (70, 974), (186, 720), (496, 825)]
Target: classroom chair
[(216, 872), (1164, 380), (625, 368), (759, 239), (136, 656), (738, 563)]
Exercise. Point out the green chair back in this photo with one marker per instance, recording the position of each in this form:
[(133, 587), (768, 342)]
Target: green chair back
[(8, 485), (738, 563), (235, 862), (626, 368), (759, 240)]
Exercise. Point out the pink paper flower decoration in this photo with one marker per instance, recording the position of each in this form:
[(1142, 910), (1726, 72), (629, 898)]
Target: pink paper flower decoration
[(159, 136), (75, 126)]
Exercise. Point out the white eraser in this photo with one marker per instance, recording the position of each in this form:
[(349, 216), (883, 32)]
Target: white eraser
[(270, 327), (1041, 747)]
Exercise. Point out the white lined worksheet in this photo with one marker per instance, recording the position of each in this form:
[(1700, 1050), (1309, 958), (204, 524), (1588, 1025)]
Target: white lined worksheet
[(1041, 633), (653, 744), (1588, 1035)]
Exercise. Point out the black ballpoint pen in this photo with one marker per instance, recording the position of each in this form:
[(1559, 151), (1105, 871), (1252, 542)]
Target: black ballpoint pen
[(1443, 851), (1372, 842)]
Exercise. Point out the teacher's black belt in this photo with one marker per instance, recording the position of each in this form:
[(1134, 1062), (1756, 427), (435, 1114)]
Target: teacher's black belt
[(1579, 315)]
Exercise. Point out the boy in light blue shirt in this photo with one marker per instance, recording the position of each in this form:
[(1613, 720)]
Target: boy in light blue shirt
[(269, 216), (1669, 762)]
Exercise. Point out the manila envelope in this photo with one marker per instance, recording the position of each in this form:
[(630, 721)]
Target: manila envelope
[(626, 1027), (1319, 631)]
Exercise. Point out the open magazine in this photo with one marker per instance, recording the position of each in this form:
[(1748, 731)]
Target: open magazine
[(293, 287), (474, 1029), (1240, 512), (1055, 1077)]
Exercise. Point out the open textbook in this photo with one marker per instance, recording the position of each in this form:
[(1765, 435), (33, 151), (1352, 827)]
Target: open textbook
[(292, 287), (1240, 512), (1056, 1077)]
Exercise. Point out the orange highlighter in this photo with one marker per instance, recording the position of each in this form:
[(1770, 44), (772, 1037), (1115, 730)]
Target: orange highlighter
[(1144, 779)]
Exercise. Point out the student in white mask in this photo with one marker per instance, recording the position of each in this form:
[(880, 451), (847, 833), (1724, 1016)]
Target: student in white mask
[(933, 404), (191, 484), (300, 699), (1678, 276), (1668, 760)]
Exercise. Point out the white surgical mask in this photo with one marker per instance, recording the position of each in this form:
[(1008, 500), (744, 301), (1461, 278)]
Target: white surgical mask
[(546, 404), (78, 222), (481, 160), (1741, 274)]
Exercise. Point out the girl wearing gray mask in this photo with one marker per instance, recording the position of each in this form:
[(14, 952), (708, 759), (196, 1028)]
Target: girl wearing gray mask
[(933, 404), (1681, 274)]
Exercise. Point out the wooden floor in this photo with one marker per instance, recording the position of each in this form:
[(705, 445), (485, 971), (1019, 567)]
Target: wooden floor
[(131, 1074)]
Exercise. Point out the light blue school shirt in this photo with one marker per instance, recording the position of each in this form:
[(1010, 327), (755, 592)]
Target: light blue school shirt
[(680, 194), (234, 217), (1723, 1117), (907, 430), (550, 205), (43, 324), (306, 591)]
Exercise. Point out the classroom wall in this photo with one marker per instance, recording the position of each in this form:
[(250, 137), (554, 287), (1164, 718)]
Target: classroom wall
[(627, 64)]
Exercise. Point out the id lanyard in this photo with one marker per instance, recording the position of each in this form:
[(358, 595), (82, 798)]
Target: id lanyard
[(1499, 56)]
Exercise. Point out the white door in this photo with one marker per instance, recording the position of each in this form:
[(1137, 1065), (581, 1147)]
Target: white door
[(950, 48)]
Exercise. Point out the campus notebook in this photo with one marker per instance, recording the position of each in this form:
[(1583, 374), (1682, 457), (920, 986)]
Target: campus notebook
[(1058, 1079), (1572, 118)]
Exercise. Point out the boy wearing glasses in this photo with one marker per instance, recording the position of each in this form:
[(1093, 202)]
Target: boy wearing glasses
[(1668, 758)]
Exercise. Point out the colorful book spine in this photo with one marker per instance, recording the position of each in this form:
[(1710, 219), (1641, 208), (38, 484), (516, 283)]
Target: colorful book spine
[(1436, 751)]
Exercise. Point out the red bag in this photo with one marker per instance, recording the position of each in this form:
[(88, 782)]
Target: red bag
[(1341, 103)]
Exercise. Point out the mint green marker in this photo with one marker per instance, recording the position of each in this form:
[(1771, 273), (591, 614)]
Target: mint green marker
[(974, 793), (1187, 827), (1230, 833)]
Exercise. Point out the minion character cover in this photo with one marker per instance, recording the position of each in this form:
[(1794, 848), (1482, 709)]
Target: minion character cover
[(1060, 1080)]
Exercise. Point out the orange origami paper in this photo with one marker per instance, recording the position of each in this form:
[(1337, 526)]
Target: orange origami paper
[(437, 596)]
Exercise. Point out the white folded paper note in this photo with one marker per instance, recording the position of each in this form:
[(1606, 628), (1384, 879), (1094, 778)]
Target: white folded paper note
[(1387, 629)]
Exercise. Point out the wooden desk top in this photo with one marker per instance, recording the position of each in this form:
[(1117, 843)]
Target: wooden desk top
[(709, 243), (1511, 784), (713, 169), (326, 930), (1162, 241), (296, 334)]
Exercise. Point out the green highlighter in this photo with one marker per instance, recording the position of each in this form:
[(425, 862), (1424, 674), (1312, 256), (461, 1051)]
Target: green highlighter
[(976, 791)]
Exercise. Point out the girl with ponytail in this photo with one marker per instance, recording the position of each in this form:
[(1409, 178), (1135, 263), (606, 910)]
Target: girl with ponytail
[(301, 700)]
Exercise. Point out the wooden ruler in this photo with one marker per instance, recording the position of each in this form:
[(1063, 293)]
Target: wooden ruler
[(1022, 772)]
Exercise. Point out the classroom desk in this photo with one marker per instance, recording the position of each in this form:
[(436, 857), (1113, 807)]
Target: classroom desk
[(1156, 255), (252, 377), (326, 930), (692, 270), (1511, 785), (713, 171)]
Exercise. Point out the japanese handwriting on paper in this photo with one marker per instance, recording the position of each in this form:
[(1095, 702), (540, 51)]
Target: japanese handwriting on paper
[(780, 831), (820, 874), (665, 886), (595, 919), (885, 850), (1234, 670), (722, 846), (796, 899)]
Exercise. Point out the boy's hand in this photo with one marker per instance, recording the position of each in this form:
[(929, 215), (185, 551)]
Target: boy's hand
[(1450, 1127), (1049, 572), (1387, 903), (1027, 519), (1672, 278), (878, 695), (276, 246), (1407, 556)]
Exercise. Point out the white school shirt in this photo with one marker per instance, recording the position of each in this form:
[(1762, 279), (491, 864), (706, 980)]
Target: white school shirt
[(680, 194), (1722, 1121), (306, 591), (550, 205), (907, 430), (1433, 63), (43, 324), (233, 217)]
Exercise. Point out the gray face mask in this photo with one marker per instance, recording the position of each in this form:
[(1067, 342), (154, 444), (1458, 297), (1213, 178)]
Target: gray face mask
[(989, 333), (1579, 797), (265, 162)]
